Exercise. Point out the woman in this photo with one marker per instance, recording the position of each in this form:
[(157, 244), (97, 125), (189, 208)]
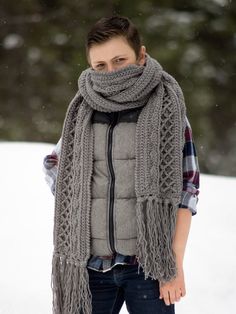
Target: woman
[(126, 183)]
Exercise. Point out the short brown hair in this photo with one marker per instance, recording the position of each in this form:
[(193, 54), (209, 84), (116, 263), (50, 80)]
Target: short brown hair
[(109, 27)]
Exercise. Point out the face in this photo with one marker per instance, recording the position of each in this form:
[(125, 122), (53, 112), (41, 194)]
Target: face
[(114, 54)]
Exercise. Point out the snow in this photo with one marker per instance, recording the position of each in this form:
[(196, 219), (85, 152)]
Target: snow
[(26, 226)]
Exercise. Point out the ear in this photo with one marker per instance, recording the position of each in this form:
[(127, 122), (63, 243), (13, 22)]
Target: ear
[(142, 55)]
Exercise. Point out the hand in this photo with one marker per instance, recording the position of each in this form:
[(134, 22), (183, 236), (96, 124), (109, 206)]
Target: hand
[(173, 290)]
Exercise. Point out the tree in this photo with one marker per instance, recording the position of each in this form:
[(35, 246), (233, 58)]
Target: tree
[(42, 55)]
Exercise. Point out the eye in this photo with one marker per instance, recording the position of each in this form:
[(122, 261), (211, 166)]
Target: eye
[(119, 60), (99, 66)]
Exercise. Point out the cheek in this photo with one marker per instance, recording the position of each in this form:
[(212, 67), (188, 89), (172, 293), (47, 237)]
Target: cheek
[(131, 61)]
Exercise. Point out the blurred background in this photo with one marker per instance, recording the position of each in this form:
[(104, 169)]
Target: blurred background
[(42, 55)]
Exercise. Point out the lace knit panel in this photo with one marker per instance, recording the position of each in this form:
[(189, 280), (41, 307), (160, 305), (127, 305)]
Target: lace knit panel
[(63, 221), (170, 167)]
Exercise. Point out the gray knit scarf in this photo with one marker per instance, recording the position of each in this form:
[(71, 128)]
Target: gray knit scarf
[(158, 176)]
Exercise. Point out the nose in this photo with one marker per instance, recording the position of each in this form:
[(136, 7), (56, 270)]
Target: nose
[(110, 67)]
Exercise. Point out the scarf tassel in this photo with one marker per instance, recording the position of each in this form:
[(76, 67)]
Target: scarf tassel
[(71, 293), (156, 220)]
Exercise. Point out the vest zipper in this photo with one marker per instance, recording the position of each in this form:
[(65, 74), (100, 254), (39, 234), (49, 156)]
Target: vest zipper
[(112, 184)]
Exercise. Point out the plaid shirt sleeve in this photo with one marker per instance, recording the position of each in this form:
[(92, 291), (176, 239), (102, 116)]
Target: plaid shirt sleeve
[(191, 173), (50, 164)]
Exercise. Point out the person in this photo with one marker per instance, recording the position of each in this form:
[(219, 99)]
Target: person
[(125, 177)]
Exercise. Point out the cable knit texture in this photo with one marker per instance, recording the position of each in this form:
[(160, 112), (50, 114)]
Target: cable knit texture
[(158, 176)]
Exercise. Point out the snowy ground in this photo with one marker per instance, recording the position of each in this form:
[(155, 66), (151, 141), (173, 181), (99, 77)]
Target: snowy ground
[(26, 226)]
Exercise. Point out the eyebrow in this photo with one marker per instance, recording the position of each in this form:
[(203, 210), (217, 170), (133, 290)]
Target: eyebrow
[(112, 58)]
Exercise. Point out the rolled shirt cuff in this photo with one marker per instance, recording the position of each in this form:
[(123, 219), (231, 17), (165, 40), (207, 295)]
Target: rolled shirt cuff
[(189, 200)]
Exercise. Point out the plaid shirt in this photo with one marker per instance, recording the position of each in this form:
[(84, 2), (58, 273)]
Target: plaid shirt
[(189, 197)]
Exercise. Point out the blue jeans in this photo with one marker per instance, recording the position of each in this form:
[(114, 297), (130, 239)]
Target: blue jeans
[(123, 283)]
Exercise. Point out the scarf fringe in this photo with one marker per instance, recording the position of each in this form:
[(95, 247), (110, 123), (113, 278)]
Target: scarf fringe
[(156, 220), (70, 286)]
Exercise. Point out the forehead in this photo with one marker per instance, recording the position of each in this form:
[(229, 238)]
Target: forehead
[(113, 47)]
